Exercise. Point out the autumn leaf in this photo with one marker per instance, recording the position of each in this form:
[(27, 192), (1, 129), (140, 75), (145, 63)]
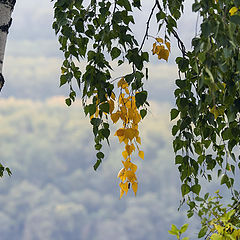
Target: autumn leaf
[(233, 10), (160, 40), (135, 187), (115, 117), (141, 154), (125, 154), (120, 132)]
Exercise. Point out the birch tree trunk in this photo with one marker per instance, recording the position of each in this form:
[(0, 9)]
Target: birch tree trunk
[(6, 8)]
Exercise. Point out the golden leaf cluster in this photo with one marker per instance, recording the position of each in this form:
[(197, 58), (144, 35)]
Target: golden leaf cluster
[(128, 134), (161, 48)]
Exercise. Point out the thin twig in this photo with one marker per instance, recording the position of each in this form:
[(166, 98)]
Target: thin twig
[(175, 34), (147, 28)]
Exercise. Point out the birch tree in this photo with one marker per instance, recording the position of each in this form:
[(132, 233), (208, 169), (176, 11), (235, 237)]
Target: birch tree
[(6, 8)]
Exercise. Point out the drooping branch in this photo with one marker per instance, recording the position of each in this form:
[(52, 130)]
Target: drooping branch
[(175, 34)]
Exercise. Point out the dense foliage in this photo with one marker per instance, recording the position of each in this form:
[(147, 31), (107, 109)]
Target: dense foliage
[(207, 95)]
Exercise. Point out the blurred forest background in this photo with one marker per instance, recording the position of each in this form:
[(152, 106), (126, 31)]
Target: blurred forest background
[(54, 193)]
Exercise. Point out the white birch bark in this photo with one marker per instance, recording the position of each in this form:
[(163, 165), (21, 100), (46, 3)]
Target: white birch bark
[(6, 8)]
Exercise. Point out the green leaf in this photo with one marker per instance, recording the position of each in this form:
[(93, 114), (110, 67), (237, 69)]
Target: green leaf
[(174, 113), (8, 171), (115, 53), (96, 121), (196, 189), (174, 230), (141, 98), (98, 146), (97, 164), (63, 80), (202, 232), (68, 101), (184, 228), (224, 179), (143, 113), (185, 189), (100, 155), (125, 4), (104, 107)]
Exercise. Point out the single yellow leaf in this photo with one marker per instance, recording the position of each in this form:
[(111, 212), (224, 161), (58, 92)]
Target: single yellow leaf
[(141, 154), (126, 164), (115, 117), (125, 154), (128, 149), (163, 54), (111, 105), (160, 40), (168, 46), (129, 133), (138, 139), (121, 139), (122, 174), (135, 187), (233, 10), (121, 193), (120, 132), (126, 90)]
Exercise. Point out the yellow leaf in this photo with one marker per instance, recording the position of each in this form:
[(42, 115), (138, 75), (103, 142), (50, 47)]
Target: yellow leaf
[(125, 154), (129, 133), (111, 105), (131, 176), (136, 118), (125, 140), (121, 82), (133, 167), (159, 49), (120, 132), (138, 139), (126, 90), (132, 147), (121, 172), (121, 139), (233, 10), (130, 114), (128, 104), (115, 117), (163, 54), (141, 154), (128, 149), (124, 186), (113, 96), (154, 48), (168, 46), (121, 193), (160, 40), (126, 164), (135, 187)]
